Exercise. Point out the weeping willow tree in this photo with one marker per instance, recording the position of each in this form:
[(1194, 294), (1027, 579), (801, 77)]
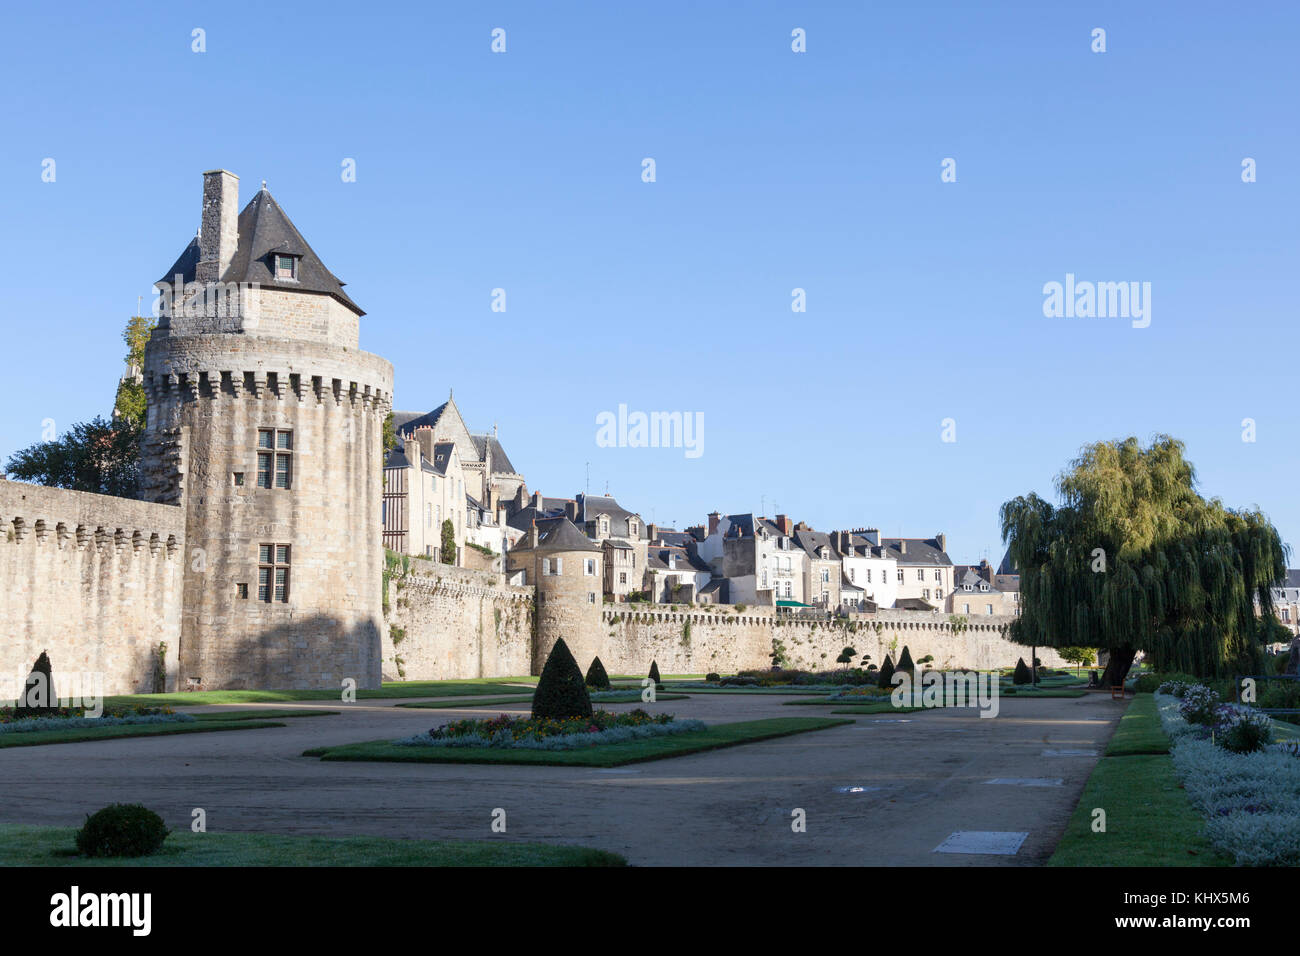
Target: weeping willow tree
[(1134, 559)]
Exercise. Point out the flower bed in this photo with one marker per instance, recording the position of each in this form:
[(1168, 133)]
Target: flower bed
[(68, 718), (867, 692), (1251, 801), (526, 733)]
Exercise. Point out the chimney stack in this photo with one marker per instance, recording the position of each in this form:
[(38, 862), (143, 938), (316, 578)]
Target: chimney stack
[(942, 539), (219, 229), (902, 546), (783, 522), (714, 519)]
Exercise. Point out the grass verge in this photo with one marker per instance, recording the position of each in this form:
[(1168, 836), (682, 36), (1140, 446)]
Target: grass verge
[(264, 714), (1139, 730), (77, 735), (1149, 820), (389, 691), (610, 755), (55, 846)]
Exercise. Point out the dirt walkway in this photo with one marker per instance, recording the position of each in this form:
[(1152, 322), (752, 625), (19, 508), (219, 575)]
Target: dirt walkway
[(924, 776)]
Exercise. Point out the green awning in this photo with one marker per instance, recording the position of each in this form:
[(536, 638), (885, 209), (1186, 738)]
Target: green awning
[(791, 604)]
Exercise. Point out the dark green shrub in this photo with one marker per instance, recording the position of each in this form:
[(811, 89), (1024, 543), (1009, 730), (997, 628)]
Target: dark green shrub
[(712, 678), (596, 676), (886, 675), (654, 675), (1281, 661), (1022, 675), (561, 691), (905, 663), (39, 699), (122, 829)]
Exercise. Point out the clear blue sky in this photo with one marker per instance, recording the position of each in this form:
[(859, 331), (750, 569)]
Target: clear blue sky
[(775, 171)]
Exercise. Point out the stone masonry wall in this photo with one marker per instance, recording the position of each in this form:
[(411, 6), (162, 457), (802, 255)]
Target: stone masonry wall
[(454, 622), (93, 580), (447, 622)]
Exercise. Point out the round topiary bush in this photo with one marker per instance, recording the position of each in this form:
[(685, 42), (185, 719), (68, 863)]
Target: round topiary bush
[(561, 691), (122, 829), (712, 678), (1022, 675), (596, 676)]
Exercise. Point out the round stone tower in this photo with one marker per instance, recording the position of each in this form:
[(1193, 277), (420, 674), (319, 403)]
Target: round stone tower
[(565, 567), (265, 423)]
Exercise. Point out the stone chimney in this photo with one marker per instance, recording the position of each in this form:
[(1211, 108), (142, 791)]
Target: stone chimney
[(537, 500), (653, 531), (942, 539), (532, 534), (783, 522), (902, 546), (219, 229), (714, 519), (986, 570)]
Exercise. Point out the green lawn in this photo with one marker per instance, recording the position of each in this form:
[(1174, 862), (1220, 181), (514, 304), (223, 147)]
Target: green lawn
[(264, 714), (609, 755), (390, 690), (1139, 730), (76, 735), (1149, 820), (55, 846)]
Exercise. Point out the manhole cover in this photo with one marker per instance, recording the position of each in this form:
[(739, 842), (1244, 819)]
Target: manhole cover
[(990, 842)]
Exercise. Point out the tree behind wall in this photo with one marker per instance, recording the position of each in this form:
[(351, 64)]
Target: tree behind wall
[(1135, 559), (99, 456), (447, 554)]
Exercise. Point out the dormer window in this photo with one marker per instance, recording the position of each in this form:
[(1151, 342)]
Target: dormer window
[(286, 267)]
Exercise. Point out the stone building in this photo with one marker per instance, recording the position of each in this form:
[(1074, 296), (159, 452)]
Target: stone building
[(565, 568), (264, 426), (490, 478), (423, 487)]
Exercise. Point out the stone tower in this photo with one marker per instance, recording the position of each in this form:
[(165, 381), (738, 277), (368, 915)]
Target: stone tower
[(264, 424), (565, 567)]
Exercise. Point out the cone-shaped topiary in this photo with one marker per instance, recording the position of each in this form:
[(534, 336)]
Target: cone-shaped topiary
[(561, 691), (596, 676), (1022, 675), (905, 662), (38, 698), (654, 675), (886, 675)]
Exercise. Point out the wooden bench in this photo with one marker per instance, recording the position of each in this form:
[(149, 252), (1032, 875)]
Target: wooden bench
[(1117, 692)]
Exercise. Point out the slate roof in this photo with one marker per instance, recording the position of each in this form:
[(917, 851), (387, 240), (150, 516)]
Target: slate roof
[(813, 541), (500, 462), (265, 229), (442, 456), (922, 551), (397, 458), (409, 421), (914, 604), (657, 557), (1009, 567), (592, 506), (744, 525), (558, 534)]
